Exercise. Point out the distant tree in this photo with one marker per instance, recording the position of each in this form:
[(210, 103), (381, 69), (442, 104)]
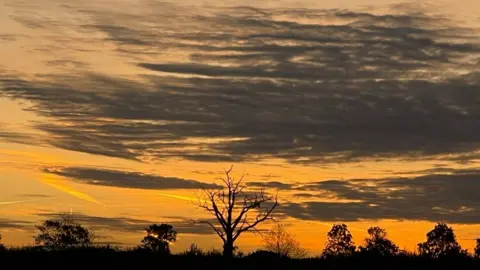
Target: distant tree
[(194, 250), (378, 243), (237, 253), (476, 251), (63, 233), (441, 241), (2, 247), (231, 207), (283, 243), (159, 237), (214, 253), (339, 242)]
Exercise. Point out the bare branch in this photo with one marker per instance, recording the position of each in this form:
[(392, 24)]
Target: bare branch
[(219, 232), (261, 217), (213, 209)]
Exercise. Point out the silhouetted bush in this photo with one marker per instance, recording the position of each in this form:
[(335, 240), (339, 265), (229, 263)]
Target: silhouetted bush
[(476, 251), (264, 255), (283, 243), (158, 238), (63, 233), (194, 250), (214, 253), (2, 247)]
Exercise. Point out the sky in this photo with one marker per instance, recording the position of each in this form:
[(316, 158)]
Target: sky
[(354, 112)]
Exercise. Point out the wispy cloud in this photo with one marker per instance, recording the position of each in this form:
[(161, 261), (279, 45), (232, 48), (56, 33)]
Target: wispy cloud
[(15, 224)]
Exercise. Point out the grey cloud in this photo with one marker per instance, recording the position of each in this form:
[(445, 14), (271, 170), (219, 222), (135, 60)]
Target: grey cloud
[(7, 134), (6, 38), (286, 72), (270, 184), (123, 179), (105, 223), (21, 138), (67, 63), (206, 172), (36, 196), (181, 225), (15, 224), (376, 87), (436, 197), (305, 195), (122, 35), (103, 241), (439, 170), (11, 136)]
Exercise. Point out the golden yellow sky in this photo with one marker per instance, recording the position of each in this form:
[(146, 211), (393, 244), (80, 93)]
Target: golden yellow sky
[(380, 99)]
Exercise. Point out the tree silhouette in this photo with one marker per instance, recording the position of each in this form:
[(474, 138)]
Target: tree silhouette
[(2, 247), (159, 237), (378, 243), (194, 250), (441, 241), (283, 243), (63, 233), (339, 242), (476, 251), (231, 207)]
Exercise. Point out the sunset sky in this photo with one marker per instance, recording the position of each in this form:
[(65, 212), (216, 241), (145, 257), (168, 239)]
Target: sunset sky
[(365, 112)]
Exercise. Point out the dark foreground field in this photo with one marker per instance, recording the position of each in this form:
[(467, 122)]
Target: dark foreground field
[(115, 259)]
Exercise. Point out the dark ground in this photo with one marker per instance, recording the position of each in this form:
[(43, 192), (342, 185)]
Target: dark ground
[(115, 259)]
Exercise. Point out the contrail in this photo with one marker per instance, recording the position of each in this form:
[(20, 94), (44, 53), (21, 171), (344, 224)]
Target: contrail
[(177, 197), (25, 201), (62, 185)]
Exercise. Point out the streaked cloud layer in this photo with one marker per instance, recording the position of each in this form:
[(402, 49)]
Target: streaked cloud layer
[(256, 84), (436, 197)]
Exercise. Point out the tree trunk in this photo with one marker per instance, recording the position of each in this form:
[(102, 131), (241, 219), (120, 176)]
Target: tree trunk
[(228, 249)]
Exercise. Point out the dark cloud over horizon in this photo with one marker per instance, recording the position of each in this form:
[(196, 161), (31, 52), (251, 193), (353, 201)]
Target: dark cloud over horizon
[(123, 179), (128, 224), (434, 197), (15, 224)]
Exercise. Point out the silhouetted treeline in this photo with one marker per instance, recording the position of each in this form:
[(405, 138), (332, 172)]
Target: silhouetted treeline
[(61, 243)]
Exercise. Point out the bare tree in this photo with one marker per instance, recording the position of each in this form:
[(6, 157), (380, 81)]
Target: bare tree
[(283, 243), (231, 207)]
